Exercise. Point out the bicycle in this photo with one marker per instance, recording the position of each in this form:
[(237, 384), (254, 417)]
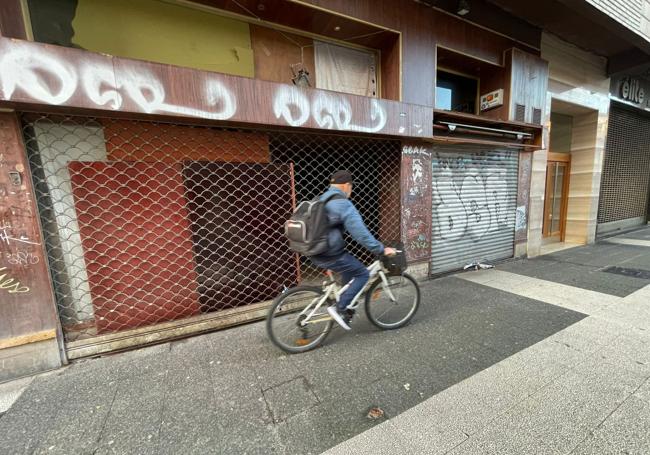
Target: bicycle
[(385, 296)]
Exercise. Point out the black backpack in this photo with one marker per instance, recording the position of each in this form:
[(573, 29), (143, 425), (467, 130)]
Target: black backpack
[(308, 227)]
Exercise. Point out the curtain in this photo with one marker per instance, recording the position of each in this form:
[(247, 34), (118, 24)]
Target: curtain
[(345, 70)]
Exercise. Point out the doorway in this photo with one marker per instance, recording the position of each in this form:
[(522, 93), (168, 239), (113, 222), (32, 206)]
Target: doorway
[(558, 170)]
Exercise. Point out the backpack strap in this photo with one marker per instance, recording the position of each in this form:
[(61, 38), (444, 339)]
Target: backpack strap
[(333, 197)]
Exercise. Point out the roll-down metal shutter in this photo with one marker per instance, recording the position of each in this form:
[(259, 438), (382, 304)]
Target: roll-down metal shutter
[(474, 205), (626, 170)]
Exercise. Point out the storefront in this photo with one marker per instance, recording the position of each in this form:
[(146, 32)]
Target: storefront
[(625, 185), (153, 228), (158, 185)]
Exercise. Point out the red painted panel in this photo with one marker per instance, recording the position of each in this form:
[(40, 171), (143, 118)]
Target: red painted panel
[(137, 242)]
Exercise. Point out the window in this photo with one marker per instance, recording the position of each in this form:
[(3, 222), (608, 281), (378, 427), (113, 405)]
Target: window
[(347, 70), (456, 93)]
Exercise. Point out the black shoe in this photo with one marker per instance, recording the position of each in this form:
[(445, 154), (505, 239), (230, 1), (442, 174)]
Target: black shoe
[(347, 316)]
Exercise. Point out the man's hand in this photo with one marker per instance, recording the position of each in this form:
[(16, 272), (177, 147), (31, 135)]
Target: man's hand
[(390, 251)]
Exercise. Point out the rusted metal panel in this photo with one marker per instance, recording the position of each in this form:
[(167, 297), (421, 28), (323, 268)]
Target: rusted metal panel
[(416, 200), (36, 74), (26, 299)]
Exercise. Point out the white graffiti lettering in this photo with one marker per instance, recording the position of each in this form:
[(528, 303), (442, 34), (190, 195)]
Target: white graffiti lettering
[(5, 237), (22, 258), (24, 70), (11, 285), (291, 105), (469, 199), (328, 110), (94, 79), (415, 150), (520, 219)]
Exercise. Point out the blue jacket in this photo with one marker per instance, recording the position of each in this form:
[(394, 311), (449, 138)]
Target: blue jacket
[(341, 212)]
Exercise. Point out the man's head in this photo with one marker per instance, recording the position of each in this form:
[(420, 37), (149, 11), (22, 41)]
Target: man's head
[(343, 181)]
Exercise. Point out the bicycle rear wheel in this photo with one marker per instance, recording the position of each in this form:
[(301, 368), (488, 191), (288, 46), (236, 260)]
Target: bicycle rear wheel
[(392, 313), (286, 323)]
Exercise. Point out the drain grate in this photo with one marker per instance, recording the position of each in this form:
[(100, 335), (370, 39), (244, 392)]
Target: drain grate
[(636, 273)]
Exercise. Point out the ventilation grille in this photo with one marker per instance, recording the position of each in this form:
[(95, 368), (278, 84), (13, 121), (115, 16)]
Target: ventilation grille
[(520, 112), (537, 116)]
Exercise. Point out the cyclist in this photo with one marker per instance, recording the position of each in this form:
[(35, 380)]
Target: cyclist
[(343, 215)]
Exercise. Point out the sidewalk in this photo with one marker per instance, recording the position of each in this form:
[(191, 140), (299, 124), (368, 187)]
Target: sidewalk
[(537, 356), (583, 390)]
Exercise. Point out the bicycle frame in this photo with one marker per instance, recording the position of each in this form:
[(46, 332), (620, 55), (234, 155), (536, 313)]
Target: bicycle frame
[(332, 290)]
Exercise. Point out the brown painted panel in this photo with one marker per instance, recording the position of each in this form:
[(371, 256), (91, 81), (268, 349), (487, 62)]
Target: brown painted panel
[(241, 252), (276, 51), (416, 200), (495, 79), (26, 299), (11, 20), (390, 71), (34, 74), (142, 141)]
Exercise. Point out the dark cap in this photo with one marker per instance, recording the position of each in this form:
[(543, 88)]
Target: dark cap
[(341, 177)]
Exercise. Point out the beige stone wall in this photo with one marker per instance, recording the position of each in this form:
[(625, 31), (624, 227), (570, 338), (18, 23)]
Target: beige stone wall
[(578, 86), (634, 14)]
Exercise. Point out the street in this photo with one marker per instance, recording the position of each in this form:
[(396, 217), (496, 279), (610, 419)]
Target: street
[(548, 355)]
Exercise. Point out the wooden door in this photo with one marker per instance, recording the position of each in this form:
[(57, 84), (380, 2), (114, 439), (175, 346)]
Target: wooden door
[(558, 168)]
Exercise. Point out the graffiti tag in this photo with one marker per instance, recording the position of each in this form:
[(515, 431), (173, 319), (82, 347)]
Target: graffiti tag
[(481, 192), (22, 258), (5, 237), (43, 76), (329, 111), (11, 285)]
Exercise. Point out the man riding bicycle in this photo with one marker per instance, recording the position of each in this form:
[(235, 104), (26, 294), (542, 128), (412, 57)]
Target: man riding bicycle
[(343, 215)]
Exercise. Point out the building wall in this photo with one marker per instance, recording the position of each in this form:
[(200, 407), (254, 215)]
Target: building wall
[(579, 86), (634, 14), (423, 29)]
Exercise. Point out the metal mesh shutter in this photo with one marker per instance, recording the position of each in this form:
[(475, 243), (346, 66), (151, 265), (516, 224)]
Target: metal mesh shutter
[(149, 223), (474, 206), (626, 168)]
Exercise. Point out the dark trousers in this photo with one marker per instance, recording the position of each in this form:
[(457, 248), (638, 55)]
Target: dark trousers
[(352, 272)]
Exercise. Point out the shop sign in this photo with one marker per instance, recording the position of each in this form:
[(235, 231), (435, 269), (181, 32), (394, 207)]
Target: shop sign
[(633, 90)]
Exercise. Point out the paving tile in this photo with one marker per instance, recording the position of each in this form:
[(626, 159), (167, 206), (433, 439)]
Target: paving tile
[(626, 430)]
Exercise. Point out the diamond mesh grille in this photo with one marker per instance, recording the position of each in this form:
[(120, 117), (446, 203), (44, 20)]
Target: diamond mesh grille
[(626, 168), (152, 222)]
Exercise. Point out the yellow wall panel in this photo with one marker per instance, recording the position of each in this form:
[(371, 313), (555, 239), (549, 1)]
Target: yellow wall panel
[(161, 32)]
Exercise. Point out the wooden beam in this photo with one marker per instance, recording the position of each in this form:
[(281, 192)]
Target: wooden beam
[(27, 339)]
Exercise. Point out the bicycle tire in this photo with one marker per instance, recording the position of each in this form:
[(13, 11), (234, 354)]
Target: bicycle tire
[(276, 308), (371, 304)]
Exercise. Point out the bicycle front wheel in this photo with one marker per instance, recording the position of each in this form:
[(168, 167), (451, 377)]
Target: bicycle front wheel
[(394, 309), (289, 324)]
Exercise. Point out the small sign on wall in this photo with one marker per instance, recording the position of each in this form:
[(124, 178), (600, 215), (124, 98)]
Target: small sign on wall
[(492, 100)]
